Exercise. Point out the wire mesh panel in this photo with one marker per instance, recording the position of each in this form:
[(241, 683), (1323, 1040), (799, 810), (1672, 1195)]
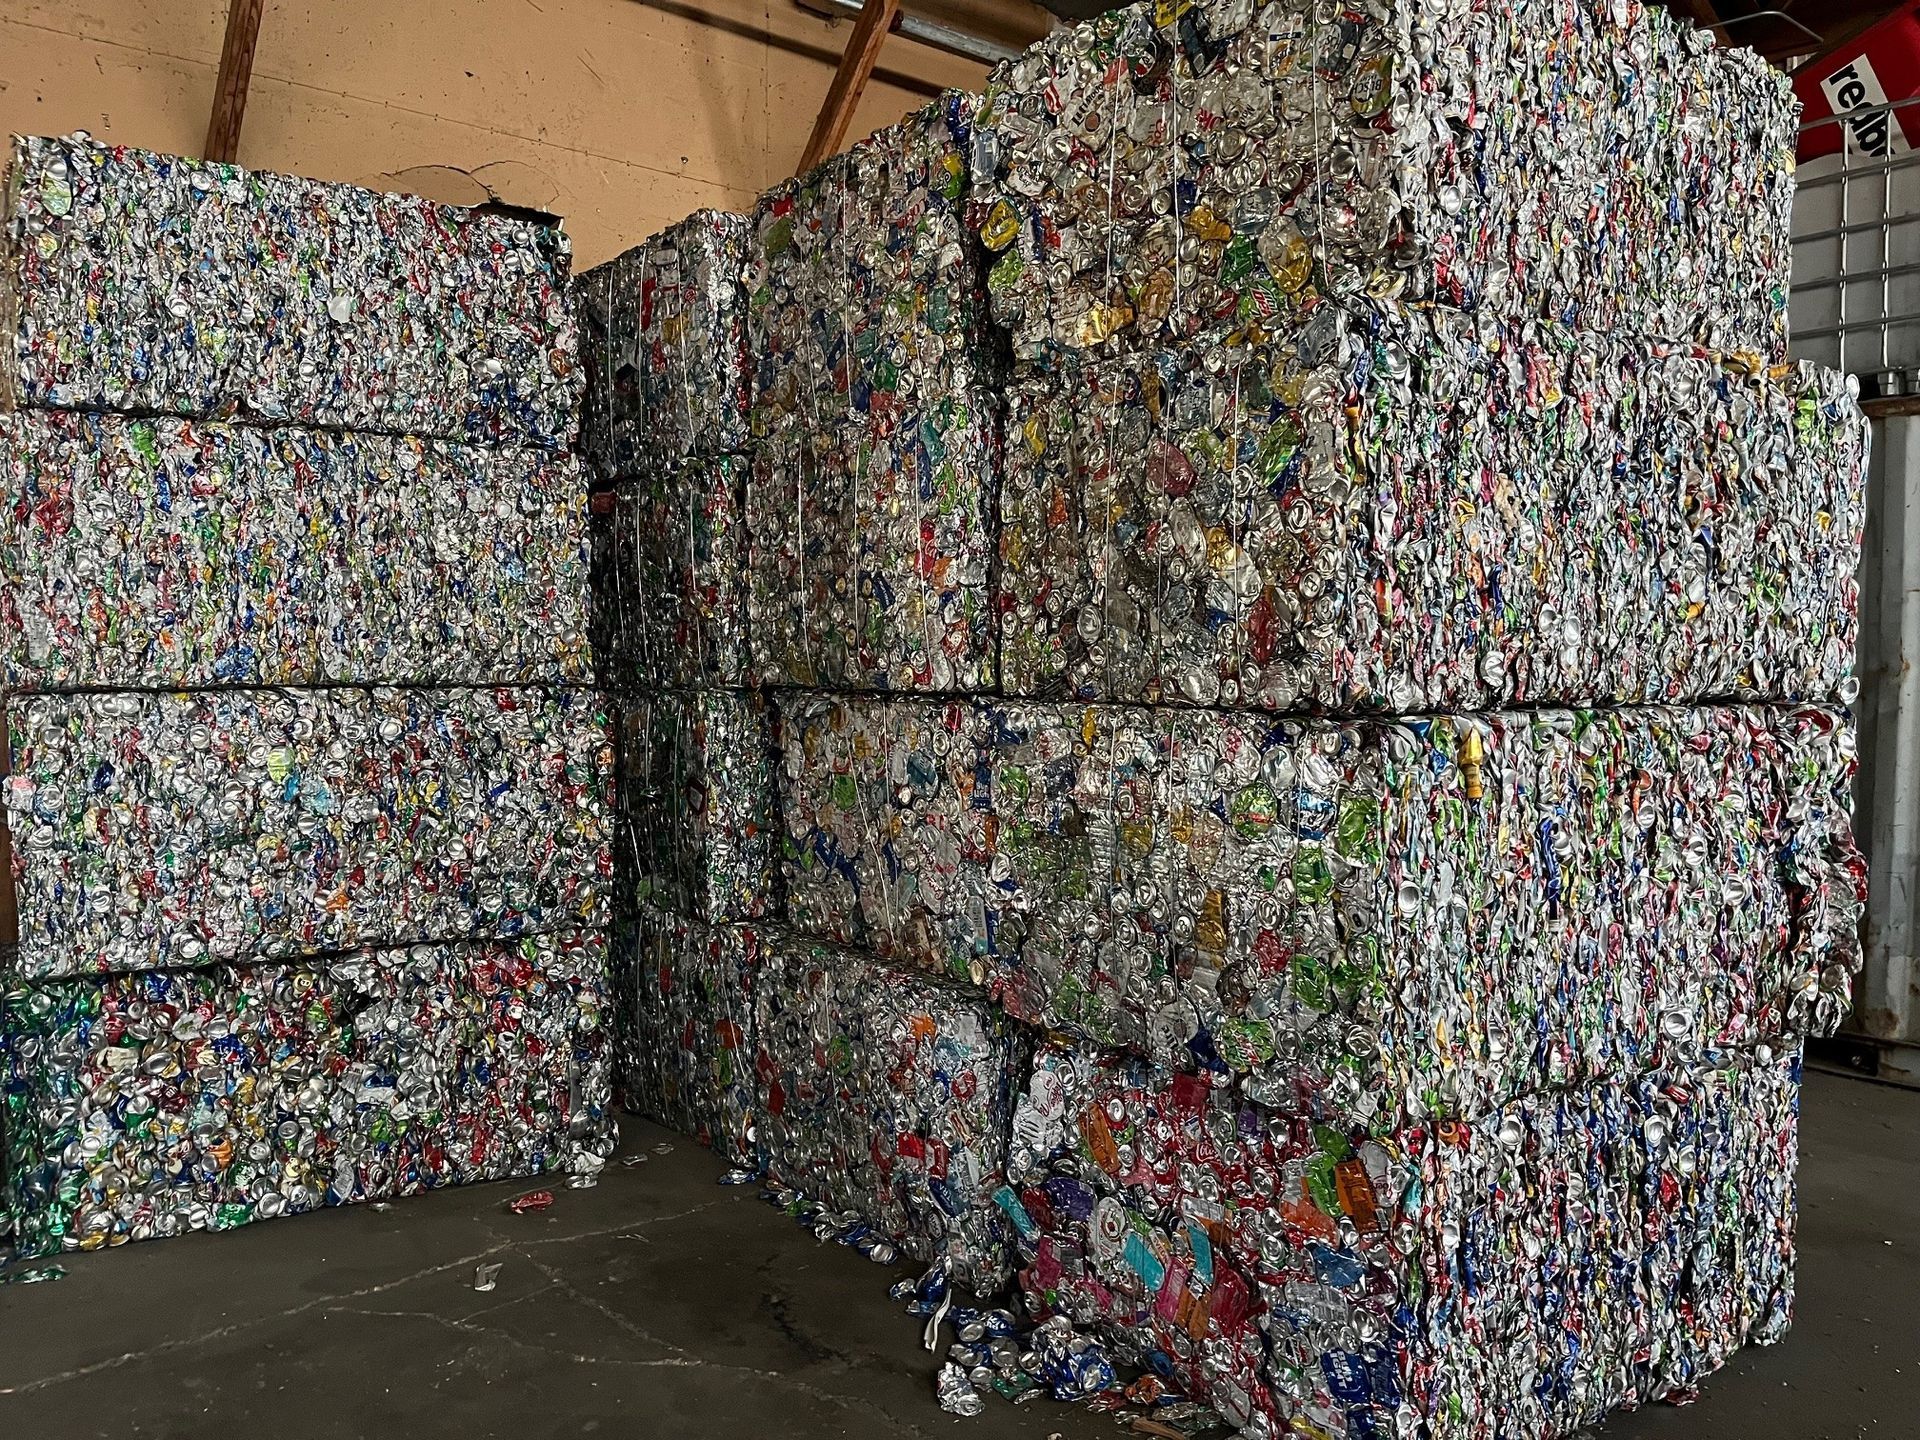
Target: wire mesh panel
[(1855, 301)]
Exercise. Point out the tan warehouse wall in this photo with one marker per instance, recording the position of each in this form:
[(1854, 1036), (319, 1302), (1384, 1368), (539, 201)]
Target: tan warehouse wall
[(621, 115)]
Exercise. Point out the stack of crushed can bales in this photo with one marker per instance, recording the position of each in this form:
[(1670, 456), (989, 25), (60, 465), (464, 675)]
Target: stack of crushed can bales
[(875, 411), (663, 332), (1229, 663), (307, 786), (797, 412), (1305, 619), (1431, 1070)]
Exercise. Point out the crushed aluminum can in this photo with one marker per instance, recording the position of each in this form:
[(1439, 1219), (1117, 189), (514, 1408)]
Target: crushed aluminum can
[(531, 1203), (1285, 898), (695, 803), (885, 1095), (684, 1016), (1071, 1364), (955, 1391), (1170, 172), (1407, 510), (157, 285), (158, 1103), (1147, 1390), (1185, 1420), (156, 553), (1284, 1272), (485, 1277), (164, 829), (1017, 1387), (932, 1293), (874, 421), (664, 348)]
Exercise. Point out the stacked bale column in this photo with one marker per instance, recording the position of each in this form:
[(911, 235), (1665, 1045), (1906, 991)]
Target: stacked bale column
[(306, 797), (666, 432), (1418, 366), (885, 1094)]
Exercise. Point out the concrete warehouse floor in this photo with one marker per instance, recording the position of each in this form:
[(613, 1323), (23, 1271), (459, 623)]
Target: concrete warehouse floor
[(659, 1304)]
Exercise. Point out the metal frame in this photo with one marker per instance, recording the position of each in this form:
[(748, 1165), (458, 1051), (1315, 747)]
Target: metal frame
[(1882, 374), (963, 43)]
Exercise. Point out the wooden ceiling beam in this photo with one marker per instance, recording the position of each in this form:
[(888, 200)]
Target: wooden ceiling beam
[(236, 73), (849, 81)]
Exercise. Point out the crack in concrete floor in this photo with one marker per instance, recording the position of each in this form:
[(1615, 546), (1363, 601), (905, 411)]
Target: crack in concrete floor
[(323, 1302), (508, 1248), (678, 1361)]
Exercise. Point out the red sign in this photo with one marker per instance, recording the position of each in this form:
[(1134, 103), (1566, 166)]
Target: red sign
[(1854, 81)]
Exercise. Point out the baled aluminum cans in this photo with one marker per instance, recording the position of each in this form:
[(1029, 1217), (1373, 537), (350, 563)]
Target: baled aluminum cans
[(1380, 922), (1417, 367), (308, 831), (1575, 1250), (871, 549), (156, 285), (863, 296), (1404, 510), (160, 553), (168, 829), (1169, 172), (672, 593), (684, 1011), (888, 842), (666, 424), (874, 422), (885, 1096), (1376, 921), (153, 1104), (663, 342), (696, 803)]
